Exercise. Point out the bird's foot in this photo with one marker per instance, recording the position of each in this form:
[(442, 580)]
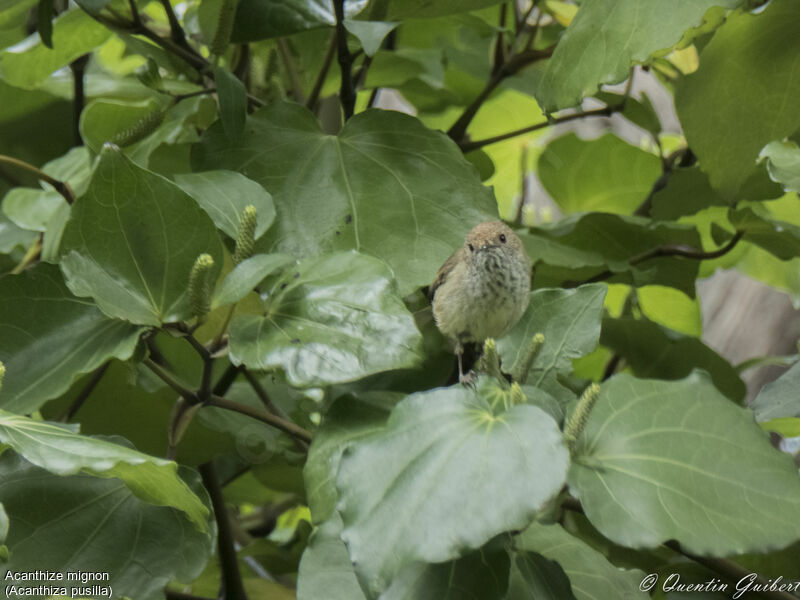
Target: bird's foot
[(469, 379)]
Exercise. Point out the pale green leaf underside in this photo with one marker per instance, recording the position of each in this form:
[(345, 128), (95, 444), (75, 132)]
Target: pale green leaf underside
[(131, 241), (444, 449), (81, 523), (677, 460), (63, 452), (591, 575)]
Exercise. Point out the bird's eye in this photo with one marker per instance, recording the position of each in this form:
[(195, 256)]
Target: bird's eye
[(503, 237), (471, 247)]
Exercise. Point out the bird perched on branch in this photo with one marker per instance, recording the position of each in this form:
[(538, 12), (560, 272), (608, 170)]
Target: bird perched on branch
[(482, 290)]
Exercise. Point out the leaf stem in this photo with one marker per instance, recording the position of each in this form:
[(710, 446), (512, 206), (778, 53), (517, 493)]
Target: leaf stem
[(78, 68), (31, 256), (263, 416), (232, 586), (62, 187), (670, 250), (347, 92), (172, 381)]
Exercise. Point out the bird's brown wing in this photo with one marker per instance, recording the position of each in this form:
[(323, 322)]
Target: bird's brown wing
[(443, 272)]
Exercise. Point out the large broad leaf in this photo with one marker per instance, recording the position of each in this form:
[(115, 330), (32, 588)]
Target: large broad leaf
[(749, 54), (63, 452), (655, 352), (261, 19), (677, 460), (349, 419), (224, 196), (326, 572), (131, 242), (85, 524), (481, 574), (779, 398), (385, 186), (444, 449), (48, 337), (570, 323), (332, 319), (606, 174), (74, 33), (416, 9), (607, 36), (325, 569), (582, 246), (590, 574)]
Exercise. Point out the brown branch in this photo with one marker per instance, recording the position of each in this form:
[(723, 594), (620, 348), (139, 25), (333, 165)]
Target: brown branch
[(670, 250), (606, 111), (78, 68), (347, 92), (263, 416), (172, 595), (176, 31), (85, 392), (722, 566), (269, 404), (170, 379), (232, 586), (513, 65), (62, 187), (667, 168)]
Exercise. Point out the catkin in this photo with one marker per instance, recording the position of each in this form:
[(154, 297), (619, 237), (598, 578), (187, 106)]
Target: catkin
[(222, 36), (141, 129)]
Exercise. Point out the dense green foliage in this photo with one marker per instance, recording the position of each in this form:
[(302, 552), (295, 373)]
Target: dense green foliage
[(219, 373)]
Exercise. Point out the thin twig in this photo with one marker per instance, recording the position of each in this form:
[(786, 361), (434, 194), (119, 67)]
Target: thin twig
[(269, 404), (171, 595), (263, 416), (232, 586), (347, 92), (669, 250), (170, 379), (137, 20), (724, 567), (85, 392), (178, 35), (62, 187), (606, 111), (516, 62), (313, 97), (667, 168), (78, 68), (294, 79), (499, 43)]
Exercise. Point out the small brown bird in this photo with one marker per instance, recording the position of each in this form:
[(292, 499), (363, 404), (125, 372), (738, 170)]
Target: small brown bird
[(482, 290)]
